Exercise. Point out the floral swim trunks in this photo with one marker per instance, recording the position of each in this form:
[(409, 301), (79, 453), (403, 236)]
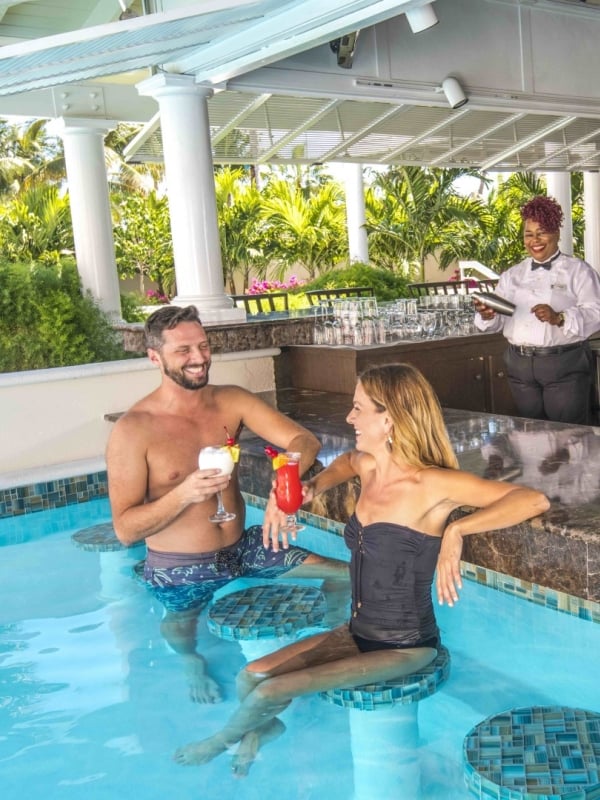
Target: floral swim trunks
[(185, 581)]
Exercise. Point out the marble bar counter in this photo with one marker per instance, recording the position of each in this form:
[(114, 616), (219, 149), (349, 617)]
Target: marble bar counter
[(260, 332), (559, 550)]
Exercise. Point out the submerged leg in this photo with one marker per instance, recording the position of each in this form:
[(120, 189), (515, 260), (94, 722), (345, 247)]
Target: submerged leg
[(179, 629), (250, 744), (335, 586), (327, 661)]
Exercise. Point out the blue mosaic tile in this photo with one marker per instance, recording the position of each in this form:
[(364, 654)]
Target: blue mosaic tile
[(52, 494), (534, 753), (101, 537), (533, 593), (409, 689), (266, 612)]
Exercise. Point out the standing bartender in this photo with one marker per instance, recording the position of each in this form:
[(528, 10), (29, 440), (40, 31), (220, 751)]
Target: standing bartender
[(557, 307)]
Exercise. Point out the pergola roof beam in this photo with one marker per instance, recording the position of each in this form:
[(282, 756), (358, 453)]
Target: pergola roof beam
[(527, 142), (330, 155), (571, 146), (450, 120), (268, 154), (474, 139)]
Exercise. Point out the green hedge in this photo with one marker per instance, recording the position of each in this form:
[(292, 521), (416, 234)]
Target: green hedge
[(45, 321), (386, 285)]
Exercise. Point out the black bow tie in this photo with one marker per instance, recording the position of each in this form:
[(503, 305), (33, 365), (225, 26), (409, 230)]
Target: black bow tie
[(544, 264)]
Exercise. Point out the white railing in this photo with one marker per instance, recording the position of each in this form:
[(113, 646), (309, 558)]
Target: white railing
[(469, 269)]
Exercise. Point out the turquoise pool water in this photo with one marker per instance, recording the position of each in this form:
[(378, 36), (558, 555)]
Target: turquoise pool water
[(93, 703)]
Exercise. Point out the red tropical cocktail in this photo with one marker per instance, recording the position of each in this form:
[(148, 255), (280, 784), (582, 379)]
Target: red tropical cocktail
[(288, 487)]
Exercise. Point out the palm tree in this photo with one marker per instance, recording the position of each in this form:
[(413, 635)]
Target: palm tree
[(124, 177), (36, 225), (241, 226), (310, 231), (23, 150), (143, 244), (414, 213)]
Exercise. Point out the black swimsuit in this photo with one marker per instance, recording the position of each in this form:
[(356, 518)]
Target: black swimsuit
[(391, 569)]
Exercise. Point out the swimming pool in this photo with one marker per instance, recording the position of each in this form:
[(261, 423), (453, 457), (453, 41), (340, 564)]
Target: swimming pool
[(93, 702)]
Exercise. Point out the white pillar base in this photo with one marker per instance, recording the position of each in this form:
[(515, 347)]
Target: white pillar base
[(212, 309)]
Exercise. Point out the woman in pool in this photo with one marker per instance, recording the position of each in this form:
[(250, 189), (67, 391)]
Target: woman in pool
[(397, 536)]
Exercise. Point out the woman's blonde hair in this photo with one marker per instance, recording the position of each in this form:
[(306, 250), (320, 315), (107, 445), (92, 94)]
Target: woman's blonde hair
[(419, 435)]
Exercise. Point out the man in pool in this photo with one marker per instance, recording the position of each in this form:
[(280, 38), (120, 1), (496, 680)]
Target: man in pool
[(158, 494)]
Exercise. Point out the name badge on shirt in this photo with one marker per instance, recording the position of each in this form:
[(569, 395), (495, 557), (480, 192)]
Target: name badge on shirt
[(559, 286)]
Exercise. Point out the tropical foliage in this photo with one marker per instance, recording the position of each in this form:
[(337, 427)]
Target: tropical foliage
[(386, 285), (242, 229), (414, 213), (309, 231), (35, 225), (46, 321), (143, 246)]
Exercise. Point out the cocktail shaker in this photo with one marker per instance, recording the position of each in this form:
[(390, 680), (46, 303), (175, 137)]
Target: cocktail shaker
[(496, 302)]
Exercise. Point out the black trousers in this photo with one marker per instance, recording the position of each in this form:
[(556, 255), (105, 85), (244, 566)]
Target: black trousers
[(554, 387)]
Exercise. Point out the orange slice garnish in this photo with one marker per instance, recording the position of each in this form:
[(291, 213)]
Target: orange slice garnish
[(280, 461)]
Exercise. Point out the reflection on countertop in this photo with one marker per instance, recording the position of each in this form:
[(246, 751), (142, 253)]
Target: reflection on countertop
[(560, 550)]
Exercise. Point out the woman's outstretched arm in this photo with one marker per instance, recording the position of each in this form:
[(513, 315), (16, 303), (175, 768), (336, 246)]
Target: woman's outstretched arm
[(499, 505)]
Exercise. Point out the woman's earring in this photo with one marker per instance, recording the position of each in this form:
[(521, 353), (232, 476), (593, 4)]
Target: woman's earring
[(389, 443)]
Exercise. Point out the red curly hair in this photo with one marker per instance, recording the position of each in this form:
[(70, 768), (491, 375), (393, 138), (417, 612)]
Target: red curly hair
[(545, 211)]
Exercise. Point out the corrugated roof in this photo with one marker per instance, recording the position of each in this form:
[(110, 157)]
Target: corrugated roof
[(72, 42)]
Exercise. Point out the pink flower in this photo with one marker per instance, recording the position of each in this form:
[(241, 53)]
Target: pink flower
[(262, 287)]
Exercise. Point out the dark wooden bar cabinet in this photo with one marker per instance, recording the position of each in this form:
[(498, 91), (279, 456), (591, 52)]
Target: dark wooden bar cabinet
[(467, 372)]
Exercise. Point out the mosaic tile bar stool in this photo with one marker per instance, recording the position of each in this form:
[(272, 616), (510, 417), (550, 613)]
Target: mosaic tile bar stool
[(263, 618), (100, 537), (115, 565), (534, 753), (391, 733)]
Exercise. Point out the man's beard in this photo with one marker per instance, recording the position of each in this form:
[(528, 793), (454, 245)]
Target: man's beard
[(181, 379)]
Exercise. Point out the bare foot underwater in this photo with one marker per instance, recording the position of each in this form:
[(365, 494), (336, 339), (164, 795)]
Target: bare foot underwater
[(251, 743), (203, 689), (197, 753)]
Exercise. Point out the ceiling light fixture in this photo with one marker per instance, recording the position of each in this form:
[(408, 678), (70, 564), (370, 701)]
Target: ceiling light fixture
[(454, 93), (422, 18)]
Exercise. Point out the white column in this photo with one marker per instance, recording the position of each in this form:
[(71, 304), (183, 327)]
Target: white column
[(559, 187), (355, 213), (89, 201), (591, 201), (190, 183)]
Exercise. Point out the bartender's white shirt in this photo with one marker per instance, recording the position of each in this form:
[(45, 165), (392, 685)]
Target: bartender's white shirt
[(570, 285)]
